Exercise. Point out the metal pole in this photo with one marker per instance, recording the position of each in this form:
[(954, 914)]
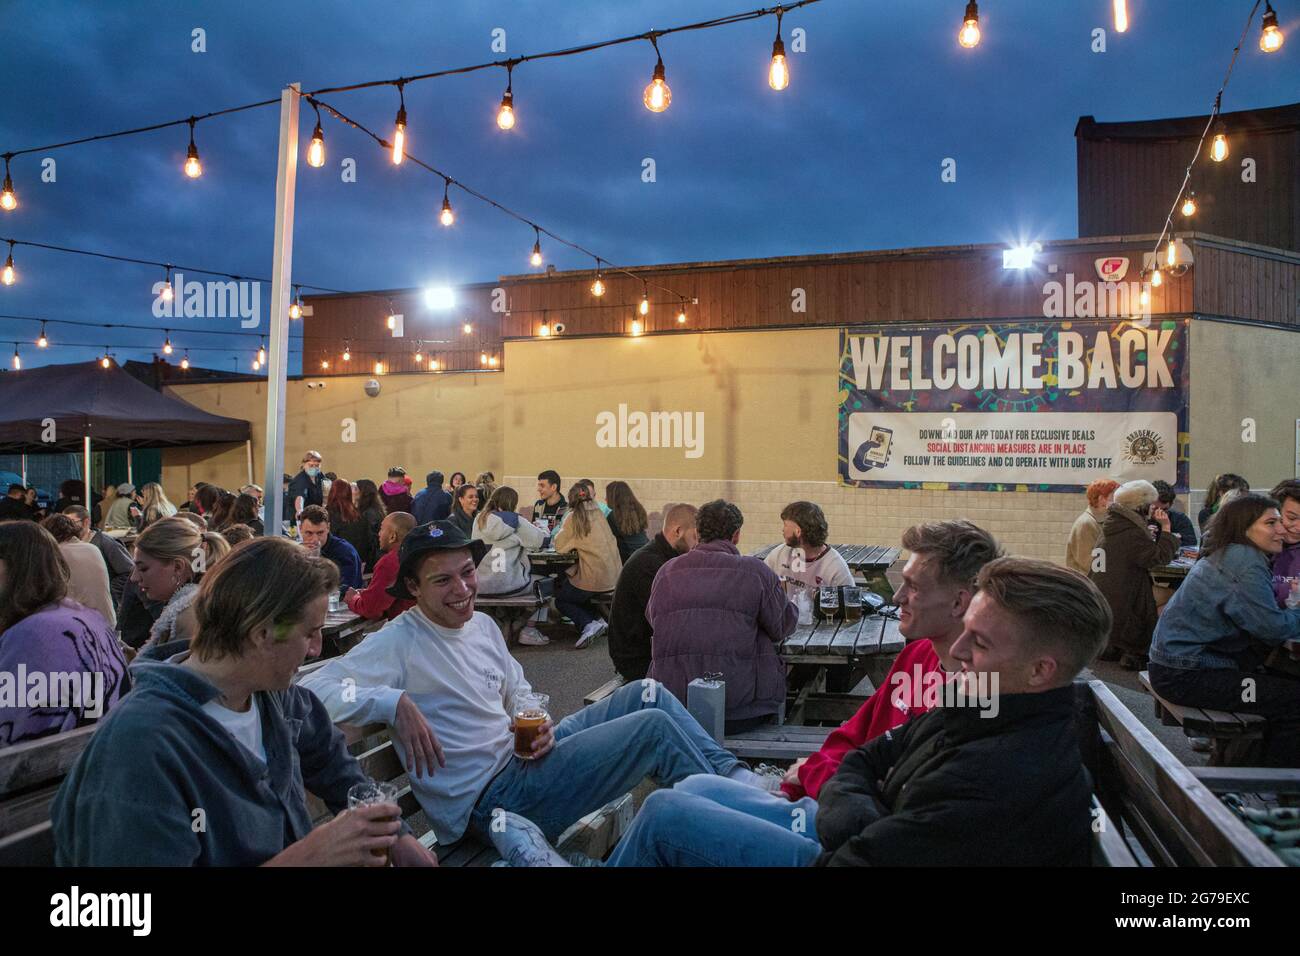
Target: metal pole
[(248, 452), (25, 466), (277, 358), (130, 474), (85, 469)]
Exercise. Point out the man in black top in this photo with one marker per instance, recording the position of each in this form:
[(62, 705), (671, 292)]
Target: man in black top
[(306, 488), (550, 502), (629, 630), (13, 506), (116, 557), (1179, 523)]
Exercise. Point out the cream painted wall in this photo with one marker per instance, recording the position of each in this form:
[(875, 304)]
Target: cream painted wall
[(421, 422), (1240, 372)]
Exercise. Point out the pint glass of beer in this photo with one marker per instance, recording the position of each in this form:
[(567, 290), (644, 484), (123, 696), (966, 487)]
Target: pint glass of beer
[(528, 714), (369, 793)]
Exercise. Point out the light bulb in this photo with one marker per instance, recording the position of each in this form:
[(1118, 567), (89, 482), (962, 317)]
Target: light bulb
[(644, 307), (636, 326), (681, 316), (969, 34), (419, 359), (9, 275), (42, 342), (446, 217), (492, 361), (433, 365), (598, 287), (536, 257), (104, 361), (545, 330), (778, 74), (482, 358), (261, 356), (256, 365), (1121, 16), (1219, 148), (324, 363), (658, 96), (506, 114), (467, 328), (193, 168), (1271, 39), (8, 198), (379, 368), (167, 293), (347, 356), (1189, 205), (18, 362), (1171, 258), (185, 362), (1144, 298), (1157, 278), (399, 136), (392, 322), (316, 151), (295, 309), (167, 347)]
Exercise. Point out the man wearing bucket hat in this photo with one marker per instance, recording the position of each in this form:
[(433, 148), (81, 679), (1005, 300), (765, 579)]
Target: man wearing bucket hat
[(441, 677), (1135, 537)]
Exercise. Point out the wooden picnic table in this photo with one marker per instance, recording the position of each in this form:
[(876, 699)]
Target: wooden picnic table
[(344, 630), (550, 561), (861, 558)]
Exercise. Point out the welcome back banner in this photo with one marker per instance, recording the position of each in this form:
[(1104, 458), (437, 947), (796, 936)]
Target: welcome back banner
[(1029, 406)]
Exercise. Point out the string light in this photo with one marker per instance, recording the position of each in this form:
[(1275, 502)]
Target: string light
[(545, 330), (324, 363), (399, 127), (492, 361), (419, 354), (467, 329), (598, 284), (347, 351), (778, 74), (636, 326), (969, 34), (261, 351), (295, 307), (446, 216), (379, 367), (8, 198), (1121, 16), (9, 275), (185, 360), (1144, 298), (681, 313), (167, 342), (193, 168), (105, 361), (167, 293), (18, 362), (506, 114), (644, 307), (256, 365), (1270, 38), (1171, 259), (536, 257), (433, 365), (42, 342), (1219, 148), (482, 358), (316, 151), (392, 320), (1189, 204), (657, 96), (1157, 278)]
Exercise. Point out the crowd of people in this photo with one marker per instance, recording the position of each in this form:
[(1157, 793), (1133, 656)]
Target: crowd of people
[(199, 627)]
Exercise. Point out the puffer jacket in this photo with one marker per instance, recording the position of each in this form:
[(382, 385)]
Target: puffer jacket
[(714, 610), (505, 568), (598, 564), (1129, 553)]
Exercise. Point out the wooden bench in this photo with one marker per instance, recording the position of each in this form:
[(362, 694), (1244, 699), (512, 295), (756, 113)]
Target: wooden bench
[(30, 774), (604, 690), (512, 611), (1224, 728), (1157, 808), (784, 743)]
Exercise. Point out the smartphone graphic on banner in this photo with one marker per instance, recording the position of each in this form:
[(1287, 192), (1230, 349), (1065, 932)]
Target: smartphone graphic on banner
[(882, 438)]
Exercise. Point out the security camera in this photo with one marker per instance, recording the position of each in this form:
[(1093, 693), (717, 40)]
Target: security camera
[(559, 327), (372, 387), (311, 385)]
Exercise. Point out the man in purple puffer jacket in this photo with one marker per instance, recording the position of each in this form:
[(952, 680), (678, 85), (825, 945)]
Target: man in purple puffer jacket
[(1286, 565), (714, 610)]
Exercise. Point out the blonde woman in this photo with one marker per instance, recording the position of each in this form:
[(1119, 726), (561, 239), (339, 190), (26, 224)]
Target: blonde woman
[(171, 556), (487, 486), (586, 531), (509, 537), (155, 505)]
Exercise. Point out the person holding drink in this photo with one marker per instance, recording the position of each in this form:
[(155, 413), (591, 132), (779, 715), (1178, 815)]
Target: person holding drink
[(208, 760), (441, 676)]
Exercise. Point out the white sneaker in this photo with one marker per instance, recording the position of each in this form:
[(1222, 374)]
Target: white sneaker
[(591, 632), (532, 637)]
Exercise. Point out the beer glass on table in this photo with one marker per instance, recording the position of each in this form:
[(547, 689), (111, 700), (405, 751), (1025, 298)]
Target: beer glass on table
[(528, 713), (368, 794)]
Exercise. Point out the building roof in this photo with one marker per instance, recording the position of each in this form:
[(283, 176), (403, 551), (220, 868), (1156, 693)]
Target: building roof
[(1275, 119)]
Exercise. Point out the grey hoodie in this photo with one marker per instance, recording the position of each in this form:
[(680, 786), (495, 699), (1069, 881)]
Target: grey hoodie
[(161, 783)]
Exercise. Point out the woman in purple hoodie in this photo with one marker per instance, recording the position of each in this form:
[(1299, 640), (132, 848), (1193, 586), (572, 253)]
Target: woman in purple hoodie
[(63, 658), (395, 491), (1286, 565)]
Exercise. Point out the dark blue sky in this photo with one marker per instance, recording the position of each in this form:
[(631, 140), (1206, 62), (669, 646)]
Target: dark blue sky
[(847, 158)]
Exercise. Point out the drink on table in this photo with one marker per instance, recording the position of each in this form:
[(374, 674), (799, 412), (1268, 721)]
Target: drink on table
[(368, 794), (828, 603), (852, 604), (528, 714)]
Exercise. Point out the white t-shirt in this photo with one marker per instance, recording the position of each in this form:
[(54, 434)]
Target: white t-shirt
[(462, 681), (245, 727), (829, 570)]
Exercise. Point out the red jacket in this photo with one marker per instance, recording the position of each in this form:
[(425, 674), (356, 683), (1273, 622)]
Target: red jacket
[(890, 706), (375, 601)]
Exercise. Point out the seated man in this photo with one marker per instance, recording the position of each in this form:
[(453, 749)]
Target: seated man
[(116, 558), (938, 584), (992, 778), (207, 761), (375, 601), (550, 502), (806, 562), (629, 629), (440, 675), (314, 530), (715, 610)]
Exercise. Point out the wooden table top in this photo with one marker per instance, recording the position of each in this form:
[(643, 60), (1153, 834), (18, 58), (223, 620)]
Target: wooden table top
[(841, 642), (859, 557)]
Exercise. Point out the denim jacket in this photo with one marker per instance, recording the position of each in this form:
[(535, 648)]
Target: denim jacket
[(1226, 600)]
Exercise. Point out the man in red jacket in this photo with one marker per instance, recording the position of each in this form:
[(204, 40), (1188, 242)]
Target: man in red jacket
[(375, 601), (938, 584)]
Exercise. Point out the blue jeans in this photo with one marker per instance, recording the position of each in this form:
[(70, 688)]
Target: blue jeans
[(575, 604), (713, 821), (602, 752)]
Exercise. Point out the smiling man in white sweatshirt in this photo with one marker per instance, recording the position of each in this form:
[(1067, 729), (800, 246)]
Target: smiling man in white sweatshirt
[(441, 676)]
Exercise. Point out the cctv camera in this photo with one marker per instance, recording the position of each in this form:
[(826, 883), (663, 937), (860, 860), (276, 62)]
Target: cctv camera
[(559, 327), (372, 387)]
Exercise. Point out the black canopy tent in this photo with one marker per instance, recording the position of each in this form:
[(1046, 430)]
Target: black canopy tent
[(70, 407)]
